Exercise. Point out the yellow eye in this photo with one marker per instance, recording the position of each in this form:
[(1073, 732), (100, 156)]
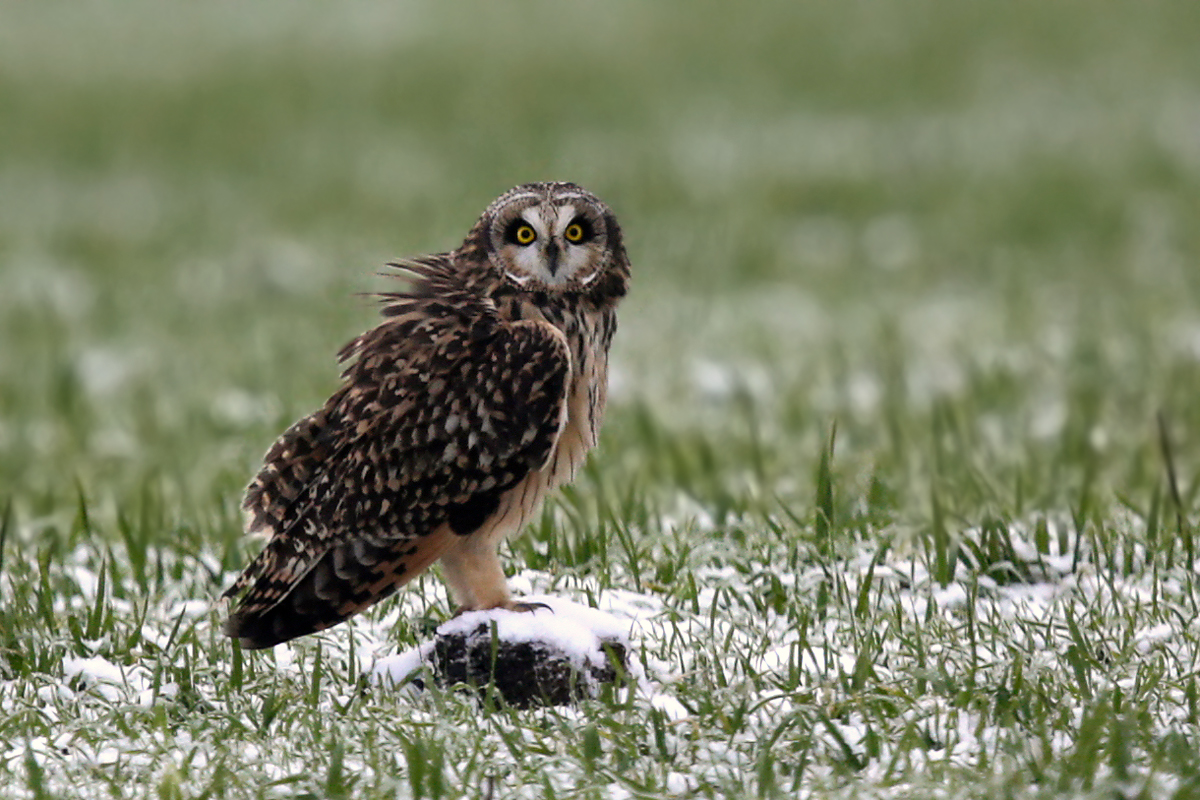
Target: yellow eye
[(526, 235), (574, 233)]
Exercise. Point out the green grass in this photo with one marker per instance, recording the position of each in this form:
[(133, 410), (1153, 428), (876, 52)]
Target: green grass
[(913, 284)]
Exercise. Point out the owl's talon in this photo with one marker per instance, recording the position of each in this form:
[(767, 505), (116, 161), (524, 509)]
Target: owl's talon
[(528, 608), (517, 606)]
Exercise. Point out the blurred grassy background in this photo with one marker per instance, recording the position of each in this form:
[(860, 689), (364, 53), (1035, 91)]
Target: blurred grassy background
[(965, 232)]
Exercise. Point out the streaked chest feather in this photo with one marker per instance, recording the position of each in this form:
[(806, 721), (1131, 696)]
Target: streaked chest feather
[(584, 413)]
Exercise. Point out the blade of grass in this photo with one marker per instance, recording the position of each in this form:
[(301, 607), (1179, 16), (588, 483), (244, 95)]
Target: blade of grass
[(1182, 528), (823, 522)]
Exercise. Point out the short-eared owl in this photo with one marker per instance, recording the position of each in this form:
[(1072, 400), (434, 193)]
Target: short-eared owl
[(480, 392)]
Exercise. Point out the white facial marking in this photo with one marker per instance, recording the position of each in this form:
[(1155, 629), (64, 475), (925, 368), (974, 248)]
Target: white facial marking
[(521, 196), (533, 216), (565, 215)]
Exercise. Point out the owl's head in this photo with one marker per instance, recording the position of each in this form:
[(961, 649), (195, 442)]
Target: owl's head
[(554, 237)]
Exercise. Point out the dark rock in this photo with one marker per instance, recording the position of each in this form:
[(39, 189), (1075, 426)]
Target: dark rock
[(522, 673)]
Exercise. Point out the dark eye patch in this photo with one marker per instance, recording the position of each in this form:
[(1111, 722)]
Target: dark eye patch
[(584, 226), (511, 232)]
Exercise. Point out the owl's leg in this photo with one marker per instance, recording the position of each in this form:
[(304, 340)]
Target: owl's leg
[(476, 579)]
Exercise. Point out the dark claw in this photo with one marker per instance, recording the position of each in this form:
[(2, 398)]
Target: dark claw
[(529, 608), (517, 606)]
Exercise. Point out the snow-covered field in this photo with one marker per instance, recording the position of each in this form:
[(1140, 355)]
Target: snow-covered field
[(862, 676)]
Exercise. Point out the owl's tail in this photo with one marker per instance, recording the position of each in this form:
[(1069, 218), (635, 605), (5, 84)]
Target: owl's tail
[(343, 581)]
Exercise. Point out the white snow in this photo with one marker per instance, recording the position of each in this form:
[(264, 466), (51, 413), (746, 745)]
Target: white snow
[(1146, 640), (96, 668), (680, 784), (104, 678), (190, 609), (669, 706)]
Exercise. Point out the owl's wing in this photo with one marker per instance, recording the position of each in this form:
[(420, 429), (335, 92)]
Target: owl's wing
[(445, 407)]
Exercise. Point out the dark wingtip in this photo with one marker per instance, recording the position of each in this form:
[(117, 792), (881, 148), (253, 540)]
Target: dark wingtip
[(256, 632)]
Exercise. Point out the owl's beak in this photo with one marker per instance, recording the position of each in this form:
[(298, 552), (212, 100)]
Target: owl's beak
[(552, 256)]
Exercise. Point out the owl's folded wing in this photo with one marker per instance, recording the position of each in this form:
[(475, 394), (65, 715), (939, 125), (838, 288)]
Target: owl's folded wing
[(442, 412)]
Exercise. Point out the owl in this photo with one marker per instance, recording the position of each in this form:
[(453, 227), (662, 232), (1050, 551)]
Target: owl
[(482, 390)]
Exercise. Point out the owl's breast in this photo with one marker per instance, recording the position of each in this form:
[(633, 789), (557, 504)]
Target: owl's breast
[(584, 410), (586, 399)]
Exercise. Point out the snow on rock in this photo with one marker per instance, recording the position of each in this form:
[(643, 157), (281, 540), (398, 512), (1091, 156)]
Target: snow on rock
[(549, 656)]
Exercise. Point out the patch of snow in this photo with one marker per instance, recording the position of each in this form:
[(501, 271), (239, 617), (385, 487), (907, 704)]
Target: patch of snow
[(669, 706), (93, 669), (1150, 638), (618, 792), (678, 783), (85, 579), (953, 596), (190, 609), (148, 697), (285, 657), (396, 670), (630, 605), (48, 694)]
